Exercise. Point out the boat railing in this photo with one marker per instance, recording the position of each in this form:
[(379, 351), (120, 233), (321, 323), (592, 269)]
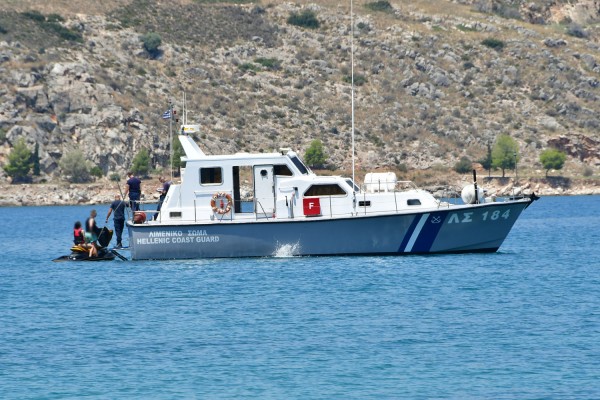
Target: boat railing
[(263, 213), (383, 186), (141, 205)]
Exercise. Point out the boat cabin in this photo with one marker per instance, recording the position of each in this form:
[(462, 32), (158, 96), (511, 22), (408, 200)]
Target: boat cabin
[(275, 186)]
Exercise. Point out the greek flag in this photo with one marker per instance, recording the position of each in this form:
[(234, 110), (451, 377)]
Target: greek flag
[(167, 114)]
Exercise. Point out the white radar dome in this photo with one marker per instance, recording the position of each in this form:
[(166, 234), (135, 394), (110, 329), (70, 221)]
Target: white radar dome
[(468, 194)]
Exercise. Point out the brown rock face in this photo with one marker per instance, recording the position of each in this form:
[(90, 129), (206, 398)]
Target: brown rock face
[(582, 147)]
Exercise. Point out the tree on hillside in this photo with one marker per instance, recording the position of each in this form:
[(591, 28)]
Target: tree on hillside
[(19, 162), (486, 162), (141, 163), (35, 160), (75, 167), (177, 154), (552, 159), (315, 155), (505, 153)]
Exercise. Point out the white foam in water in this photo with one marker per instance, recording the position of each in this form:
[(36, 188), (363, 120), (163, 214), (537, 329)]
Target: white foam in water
[(286, 250)]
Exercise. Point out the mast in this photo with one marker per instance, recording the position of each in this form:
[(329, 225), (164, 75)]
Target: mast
[(352, 80), (171, 138)]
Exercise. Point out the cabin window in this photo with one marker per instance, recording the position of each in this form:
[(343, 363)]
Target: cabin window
[(366, 203), (282, 170), (413, 202), (211, 176), (325, 190), (175, 214), (352, 185), (299, 165)]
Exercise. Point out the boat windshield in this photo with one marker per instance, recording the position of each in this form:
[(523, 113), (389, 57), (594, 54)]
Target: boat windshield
[(352, 185), (299, 164)]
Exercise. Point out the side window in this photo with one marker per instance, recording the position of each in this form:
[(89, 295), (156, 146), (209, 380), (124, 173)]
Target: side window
[(299, 165), (211, 176), (282, 170), (325, 190), (413, 202)]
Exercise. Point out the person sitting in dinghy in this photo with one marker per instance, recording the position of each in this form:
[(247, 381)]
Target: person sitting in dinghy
[(91, 233), (78, 234), (82, 240)]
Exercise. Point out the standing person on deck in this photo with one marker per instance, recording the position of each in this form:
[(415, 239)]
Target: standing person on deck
[(163, 193), (117, 207), (134, 189)]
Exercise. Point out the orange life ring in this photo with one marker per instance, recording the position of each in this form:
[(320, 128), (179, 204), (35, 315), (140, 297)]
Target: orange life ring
[(223, 209)]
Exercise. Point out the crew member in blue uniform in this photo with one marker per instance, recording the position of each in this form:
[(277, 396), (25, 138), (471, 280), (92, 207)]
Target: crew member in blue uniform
[(117, 208), (134, 189)]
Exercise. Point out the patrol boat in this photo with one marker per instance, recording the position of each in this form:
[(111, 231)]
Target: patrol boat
[(261, 205)]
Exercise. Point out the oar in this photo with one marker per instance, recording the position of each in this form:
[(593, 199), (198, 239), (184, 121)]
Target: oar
[(119, 255)]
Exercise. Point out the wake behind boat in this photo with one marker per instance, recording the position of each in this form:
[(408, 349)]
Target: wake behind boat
[(312, 215)]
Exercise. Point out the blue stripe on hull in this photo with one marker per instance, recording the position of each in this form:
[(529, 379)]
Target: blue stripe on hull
[(409, 233), (429, 232)]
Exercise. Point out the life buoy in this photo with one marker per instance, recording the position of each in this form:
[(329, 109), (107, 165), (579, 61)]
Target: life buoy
[(222, 208)]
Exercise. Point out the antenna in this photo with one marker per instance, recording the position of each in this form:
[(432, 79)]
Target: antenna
[(184, 111), (352, 79)]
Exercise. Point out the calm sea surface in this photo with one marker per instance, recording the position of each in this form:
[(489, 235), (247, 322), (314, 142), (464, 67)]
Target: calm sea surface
[(522, 323)]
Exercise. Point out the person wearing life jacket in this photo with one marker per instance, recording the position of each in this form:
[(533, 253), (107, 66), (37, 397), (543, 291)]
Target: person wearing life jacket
[(78, 234)]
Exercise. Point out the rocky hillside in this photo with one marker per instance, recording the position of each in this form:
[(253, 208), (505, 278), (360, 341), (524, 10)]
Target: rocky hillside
[(435, 80)]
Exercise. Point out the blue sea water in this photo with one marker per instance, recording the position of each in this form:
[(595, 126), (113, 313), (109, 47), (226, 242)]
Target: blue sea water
[(523, 323)]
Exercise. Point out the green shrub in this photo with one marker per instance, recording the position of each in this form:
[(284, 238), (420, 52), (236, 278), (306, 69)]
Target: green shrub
[(34, 15), (249, 67), (463, 166), (55, 18), (493, 43), (305, 19), (315, 155), (64, 33), (75, 166), (382, 5), (96, 172), (52, 24), (151, 42), (269, 63), (505, 153), (141, 163), (19, 162), (359, 80), (552, 159)]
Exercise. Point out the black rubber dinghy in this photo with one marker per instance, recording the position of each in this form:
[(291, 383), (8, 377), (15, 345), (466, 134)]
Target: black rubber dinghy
[(80, 253)]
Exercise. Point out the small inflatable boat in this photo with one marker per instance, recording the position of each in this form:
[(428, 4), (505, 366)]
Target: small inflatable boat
[(81, 252)]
